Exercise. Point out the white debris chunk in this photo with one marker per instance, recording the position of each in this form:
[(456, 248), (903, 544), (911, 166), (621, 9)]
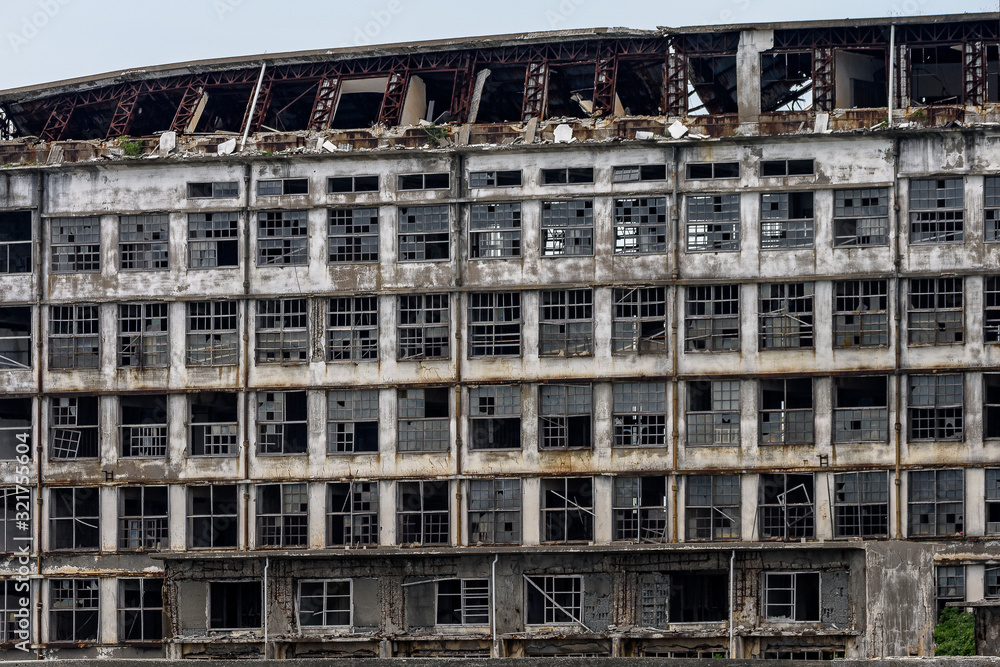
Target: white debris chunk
[(563, 133), (226, 147), (677, 129), (168, 142)]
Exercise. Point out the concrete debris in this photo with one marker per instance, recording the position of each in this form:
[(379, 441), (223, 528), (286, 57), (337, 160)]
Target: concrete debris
[(677, 129), (227, 146), (168, 142), (563, 134), (643, 135)]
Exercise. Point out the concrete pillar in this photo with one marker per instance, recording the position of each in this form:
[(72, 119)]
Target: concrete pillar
[(752, 42)]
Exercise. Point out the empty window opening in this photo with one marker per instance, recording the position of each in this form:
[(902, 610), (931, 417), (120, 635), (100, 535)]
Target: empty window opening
[(422, 513), (284, 186), (213, 190), (786, 411), (351, 514), (566, 323), (140, 610), (993, 501), (213, 240), (282, 426), (212, 338), (235, 605), (712, 507), (15, 428), (325, 603), (786, 81), (74, 610), (640, 414), (571, 91), (358, 103), (143, 425), (786, 220), (713, 416), (352, 421), (937, 210), (639, 324), (495, 511), (142, 518), (860, 313), (73, 427), (991, 309), (143, 242), (15, 337), (861, 409), (494, 324), (712, 170), (213, 420), (223, 110), (567, 175), (992, 73), (771, 168), (785, 506), (949, 585), (712, 318), (786, 316), (792, 596), (553, 600), (991, 588), (154, 112), (936, 407), (712, 84), (75, 518), (502, 99), (699, 597), (282, 515), (423, 327), (352, 329), (936, 74), (432, 181), (75, 245), (639, 85), (568, 509), (495, 230), (861, 217), (423, 233), (935, 315), (75, 336), (640, 509), (713, 223), (495, 417), (991, 208), (351, 184), (936, 503), (463, 602), (861, 504), (568, 228), (501, 178), (352, 235), (991, 405), (430, 96), (424, 420), (641, 225), (15, 242), (212, 516), (282, 331), (14, 530), (565, 416), (639, 172), (291, 105), (143, 335), (861, 81), (282, 238)]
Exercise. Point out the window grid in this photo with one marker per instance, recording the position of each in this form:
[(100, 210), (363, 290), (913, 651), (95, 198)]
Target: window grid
[(992, 501), (214, 426), (143, 242), (786, 411), (74, 609), (712, 318), (212, 338), (282, 515), (74, 336), (935, 315), (143, 422), (639, 323), (713, 416), (140, 610), (351, 514), (214, 190), (281, 422), (213, 240), (423, 233), (495, 417), (786, 220), (282, 186), (638, 172), (142, 518), (937, 210), (559, 600), (15, 337), (861, 505), (75, 245), (640, 414), (15, 244), (352, 328), (785, 506), (949, 584), (212, 516), (143, 335), (861, 217), (352, 235), (991, 309), (422, 513), (861, 313), (991, 212), (713, 223), (568, 228), (75, 519), (786, 597), (423, 330), (424, 423), (861, 409), (640, 509), (463, 602), (282, 331), (282, 238), (566, 323), (786, 316), (73, 422), (936, 503), (640, 225), (352, 421), (324, 603), (565, 416), (568, 509), (14, 531), (936, 410), (494, 324), (712, 507), (495, 511), (495, 179), (495, 230)]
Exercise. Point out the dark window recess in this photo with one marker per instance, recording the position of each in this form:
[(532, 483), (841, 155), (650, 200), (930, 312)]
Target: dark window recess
[(495, 179), (15, 337), (568, 509), (786, 168), (861, 81), (436, 181), (286, 186), (216, 190), (281, 422), (348, 184), (936, 74), (861, 409), (15, 427), (235, 605), (571, 91), (785, 506), (785, 81), (567, 175), (212, 515), (791, 596), (713, 83), (503, 94), (213, 423), (73, 427), (993, 503), (643, 172), (15, 241), (75, 518), (991, 408), (697, 597), (703, 170)]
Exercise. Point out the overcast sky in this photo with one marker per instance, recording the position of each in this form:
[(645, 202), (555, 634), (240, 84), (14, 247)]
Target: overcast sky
[(49, 40)]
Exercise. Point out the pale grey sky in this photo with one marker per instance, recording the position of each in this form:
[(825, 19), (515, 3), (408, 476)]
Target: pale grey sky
[(48, 40)]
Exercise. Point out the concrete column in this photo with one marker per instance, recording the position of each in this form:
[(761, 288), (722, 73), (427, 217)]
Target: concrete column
[(752, 42), (603, 512)]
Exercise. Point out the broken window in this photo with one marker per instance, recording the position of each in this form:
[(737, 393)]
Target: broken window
[(352, 235), (568, 228), (712, 318), (713, 223), (352, 421), (991, 309), (424, 420), (213, 419), (936, 503), (494, 324), (991, 589), (712, 84), (423, 327), (509, 178), (143, 420), (786, 411), (991, 212), (140, 609), (214, 190), (463, 602), (640, 320), (142, 518), (495, 230), (495, 417), (351, 514), (937, 407), (640, 509), (568, 509), (15, 428), (75, 336), (143, 335), (861, 409), (351, 184), (325, 603), (785, 506), (423, 233), (15, 337), (699, 597), (422, 512), (282, 331), (282, 515), (861, 313), (282, 238), (282, 426), (786, 220), (566, 323), (15, 241), (860, 217), (786, 81), (713, 416), (235, 605), (936, 74), (213, 240), (74, 610), (712, 170), (640, 225), (75, 518), (772, 168), (495, 511), (553, 600), (786, 316), (992, 501), (564, 416), (712, 507), (639, 172), (212, 338), (937, 210), (73, 427), (861, 81), (791, 596), (935, 314), (949, 585), (15, 532), (567, 175), (352, 329), (434, 181), (76, 245), (861, 504), (570, 91), (991, 405), (143, 242), (212, 516), (283, 186), (640, 414)]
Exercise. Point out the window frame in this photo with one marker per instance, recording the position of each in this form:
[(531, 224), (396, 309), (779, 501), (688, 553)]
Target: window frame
[(364, 409), (282, 238), (863, 215), (140, 612), (422, 231), (647, 424), (15, 344), (634, 520), (468, 590), (714, 510), (360, 521), (793, 604), (282, 424), (551, 609), (556, 523), (643, 172), (927, 224), (223, 190), (499, 407), (144, 242), (493, 325), (431, 526), (423, 325), (806, 433), (566, 176), (803, 514), (714, 167), (940, 409), (784, 232), (417, 433), (402, 185), (916, 527), (861, 313), (721, 393), (558, 410), (137, 515), (239, 605), (223, 342), (79, 605), (717, 336), (475, 176), (716, 230), (492, 236), (556, 228), (16, 246), (289, 186), (66, 411), (871, 504), (785, 315), (365, 185), (214, 441), (932, 301), (493, 503), (560, 333), (76, 520), (69, 254), (281, 331), (216, 227), (143, 439), (634, 311), (74, 336), (148, 334), (354, 240), (287, 528), (324, 599), (217, 520), (646, 229), (353, 322)]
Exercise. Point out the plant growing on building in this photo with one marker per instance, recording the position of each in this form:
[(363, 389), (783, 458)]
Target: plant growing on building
[(954, 633), (131, 147), (436, 133)]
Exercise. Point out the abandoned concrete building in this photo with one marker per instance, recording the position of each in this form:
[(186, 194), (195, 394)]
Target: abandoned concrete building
[(682, 342)]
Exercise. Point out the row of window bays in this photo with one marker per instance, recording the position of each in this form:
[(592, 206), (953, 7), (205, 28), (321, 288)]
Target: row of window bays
[(936, 503)]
